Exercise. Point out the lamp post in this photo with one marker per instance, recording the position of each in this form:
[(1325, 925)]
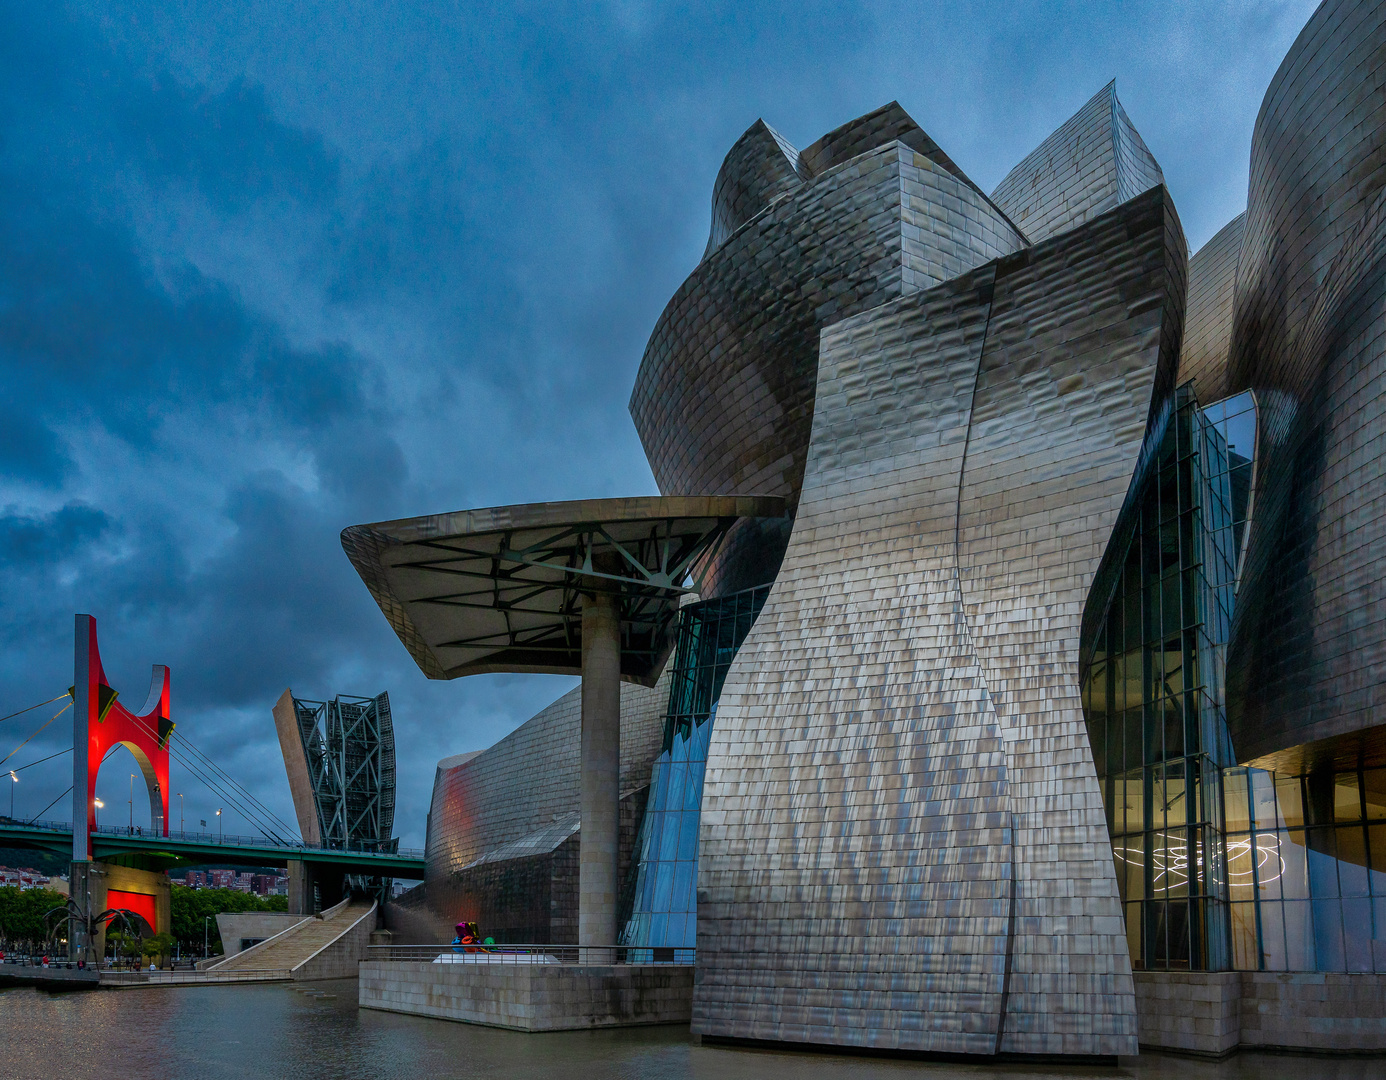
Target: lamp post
[(180, 813), (221, 828), (99, 806), (16, 780), (206, 921), (132, 803)]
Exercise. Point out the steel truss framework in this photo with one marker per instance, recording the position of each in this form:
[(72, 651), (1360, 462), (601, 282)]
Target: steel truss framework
[(465, 599), (350, 746)]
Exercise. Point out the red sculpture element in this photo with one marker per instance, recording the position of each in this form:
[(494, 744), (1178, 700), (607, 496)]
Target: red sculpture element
[(101, 722)]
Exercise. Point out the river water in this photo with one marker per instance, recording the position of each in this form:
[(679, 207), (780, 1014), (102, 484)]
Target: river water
[(278, 1030)]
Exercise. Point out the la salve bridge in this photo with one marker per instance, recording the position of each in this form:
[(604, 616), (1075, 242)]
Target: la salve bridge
[(340, 856)]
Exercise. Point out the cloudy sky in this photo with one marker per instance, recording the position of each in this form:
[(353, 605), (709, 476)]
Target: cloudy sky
[(267, 270)]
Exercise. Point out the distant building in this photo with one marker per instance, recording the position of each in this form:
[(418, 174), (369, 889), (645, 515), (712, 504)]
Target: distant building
[(24, 878)]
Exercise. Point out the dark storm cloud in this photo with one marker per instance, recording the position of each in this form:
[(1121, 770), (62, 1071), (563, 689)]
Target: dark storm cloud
[(267, 271)]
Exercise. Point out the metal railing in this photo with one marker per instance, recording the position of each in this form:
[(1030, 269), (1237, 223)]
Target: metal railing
[(571, 955), (184, 977)]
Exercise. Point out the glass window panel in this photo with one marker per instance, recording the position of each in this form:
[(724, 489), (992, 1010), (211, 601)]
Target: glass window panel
[(1263, 798), (1177, 934), (1273, 936), (1132, 616), (1357, 934), (1241, 878), (1235, 795), (685, 879), (668, 826), (1133, 800), (1328, 936), (1169, 496), (1294, 881), (1270, 864), (1352, 861), (1241, 433), (1097, 738), (1299, 935), (1118, 663), (1245, 955), (1170, 863), (1347, 798), (1172, 793), (664, 883), (1377, 860), (1379, 933), (1323, 863), (688, 835), (1172, 719), (1289, 801), (1129, 856), (1135, 733), (1133, 934), (1374, 788)]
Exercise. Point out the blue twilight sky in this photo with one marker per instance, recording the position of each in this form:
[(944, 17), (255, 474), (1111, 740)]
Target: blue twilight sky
[(267, 270)]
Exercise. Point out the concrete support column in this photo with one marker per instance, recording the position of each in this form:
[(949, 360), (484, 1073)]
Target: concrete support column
[(601, 771)]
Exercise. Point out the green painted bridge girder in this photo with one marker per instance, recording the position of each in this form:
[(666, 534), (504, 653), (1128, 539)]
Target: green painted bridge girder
[(196, 852)]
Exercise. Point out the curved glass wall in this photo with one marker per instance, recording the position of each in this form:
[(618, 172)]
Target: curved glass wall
[(661, 898), (1153, 688)]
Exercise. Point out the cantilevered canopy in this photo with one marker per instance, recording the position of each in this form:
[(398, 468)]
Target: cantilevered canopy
[(501, 589)]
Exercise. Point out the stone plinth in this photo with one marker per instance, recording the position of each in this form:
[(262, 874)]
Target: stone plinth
[(1205, 1012), (531, 997)]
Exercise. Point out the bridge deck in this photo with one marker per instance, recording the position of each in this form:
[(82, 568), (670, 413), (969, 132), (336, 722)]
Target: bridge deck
[(195, 848)]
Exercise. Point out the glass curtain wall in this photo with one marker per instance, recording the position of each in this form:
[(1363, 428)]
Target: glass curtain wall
[(1153, 690), (662, 896), (1306, 863)]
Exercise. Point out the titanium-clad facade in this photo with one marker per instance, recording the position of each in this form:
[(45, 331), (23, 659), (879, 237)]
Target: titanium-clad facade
[(1065, 670), (1309, 640), (900, 760)]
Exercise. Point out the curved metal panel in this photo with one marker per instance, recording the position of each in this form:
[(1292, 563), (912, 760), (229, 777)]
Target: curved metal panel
[(1094, 162), (723, 401), (1308, 641), (900, 760), (760, 167), (1208, 322)]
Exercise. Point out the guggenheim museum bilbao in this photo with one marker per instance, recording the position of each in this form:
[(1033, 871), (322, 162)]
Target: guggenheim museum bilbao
[(1003, 666)]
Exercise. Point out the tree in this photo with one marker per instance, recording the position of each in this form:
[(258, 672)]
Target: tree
[(157, 945), (191, 907), (21, 916)]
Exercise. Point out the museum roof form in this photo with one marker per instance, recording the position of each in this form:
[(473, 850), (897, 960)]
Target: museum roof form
[(500, 589)]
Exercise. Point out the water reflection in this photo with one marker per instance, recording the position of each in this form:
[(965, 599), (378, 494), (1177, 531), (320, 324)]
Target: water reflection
[(277, 1030)]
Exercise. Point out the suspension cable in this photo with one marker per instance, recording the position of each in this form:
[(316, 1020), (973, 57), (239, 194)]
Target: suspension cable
[(31, 708), (45, 810), (21, 746), (41, 760), (196, 762)]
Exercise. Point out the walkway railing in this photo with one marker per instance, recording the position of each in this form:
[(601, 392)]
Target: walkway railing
[(572, 955), (185, 977)]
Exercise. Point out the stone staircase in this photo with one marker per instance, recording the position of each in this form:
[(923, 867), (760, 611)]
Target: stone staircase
[(296, 946)]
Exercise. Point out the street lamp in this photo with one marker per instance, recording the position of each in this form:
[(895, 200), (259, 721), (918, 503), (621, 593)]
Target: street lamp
[(99, 806), (16, 780), (205, 923), (132, 803), (221, 828), (180, 812)]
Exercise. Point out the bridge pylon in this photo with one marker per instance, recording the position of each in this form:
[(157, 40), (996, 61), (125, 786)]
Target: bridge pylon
[(99, 722)]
